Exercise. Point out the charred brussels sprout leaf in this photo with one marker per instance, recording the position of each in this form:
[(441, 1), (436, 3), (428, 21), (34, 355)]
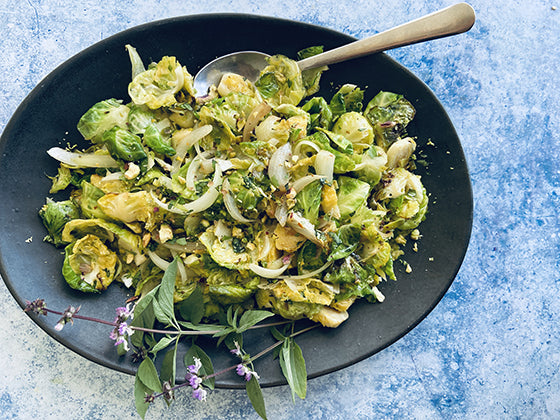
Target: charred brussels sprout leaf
[(101, 117), (389, 114), (55, 215), (89, 265), (124, 145)]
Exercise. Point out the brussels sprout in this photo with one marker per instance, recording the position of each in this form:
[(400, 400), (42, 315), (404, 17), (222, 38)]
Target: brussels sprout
[(389, 114), (340, 141), (281, 81), (245, 190), (139, 117), (400, 152), (356, 128), (311, 77), (345, 241), (352, 193), (130, 207), (374, 162), (155, 141), (88, 201), (308, 201), (310, 257), (319, 111), (157, 86), (102, 117), (62, 179), (135, 61), (55, 215), (286, 309), (106, 231), (124, 145), (348, 99), (89, 266), (222, 250), (342, 162), (231, 82)]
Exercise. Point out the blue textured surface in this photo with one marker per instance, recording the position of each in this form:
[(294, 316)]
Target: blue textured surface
[(490, 349)]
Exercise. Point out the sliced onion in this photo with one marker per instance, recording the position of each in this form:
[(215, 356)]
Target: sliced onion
[(180, 268), (192, 170), (267, 273), (163, 164), (304, 227), (307, 275), (184, 140), (157, 260), (277, 169), (229, 202), (303, 182), (200, 204), (324, 165), (254, 118), (377, 293), (281, 214), (82, 160), (302, 143), (221, 229), (189, 247), (224, 165)]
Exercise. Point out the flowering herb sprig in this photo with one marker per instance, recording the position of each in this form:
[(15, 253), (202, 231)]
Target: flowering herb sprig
[(136, 326)]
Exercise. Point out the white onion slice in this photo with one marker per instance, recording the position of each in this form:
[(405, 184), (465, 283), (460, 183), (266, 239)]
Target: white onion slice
[(180, 268), (302, 143), (229, 202), (82, 160), (157, 260), (281, 214), (200, 204), (324, 165), (189, 247), (304, 227), (267, 273), (184, 140), (254, 118), (163, 164), (277, 166), (307, 275), (303, 182)]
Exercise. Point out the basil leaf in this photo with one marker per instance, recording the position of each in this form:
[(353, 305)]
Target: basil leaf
[(293, 368), (169, 365), (140, 392), (254, 393), (162, 344), (165, 295), (251, 318), (147, 373), (192, 308)]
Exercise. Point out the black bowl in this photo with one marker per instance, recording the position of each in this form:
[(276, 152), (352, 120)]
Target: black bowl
[(47, 117)]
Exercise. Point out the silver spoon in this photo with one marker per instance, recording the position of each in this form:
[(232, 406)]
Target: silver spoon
[(449, 21)]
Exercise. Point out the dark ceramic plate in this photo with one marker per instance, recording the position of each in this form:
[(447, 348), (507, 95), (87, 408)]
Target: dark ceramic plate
[(48, 117)]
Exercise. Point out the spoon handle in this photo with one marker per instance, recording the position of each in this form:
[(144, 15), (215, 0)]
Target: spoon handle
[(449, 21)]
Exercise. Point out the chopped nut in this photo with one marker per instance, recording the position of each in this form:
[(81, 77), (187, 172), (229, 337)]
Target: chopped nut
[(165, 233), (132, 172)]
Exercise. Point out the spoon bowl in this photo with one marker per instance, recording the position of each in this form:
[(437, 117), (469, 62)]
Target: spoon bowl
[(452, 20)]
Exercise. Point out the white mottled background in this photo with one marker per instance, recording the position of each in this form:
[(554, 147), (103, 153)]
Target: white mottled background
[(490, 350)]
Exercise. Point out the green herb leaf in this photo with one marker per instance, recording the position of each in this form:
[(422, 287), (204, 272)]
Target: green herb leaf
[(147, 373), (169, 365), (251, 318), (254, 393), (165, 294), (207, 367), (140, 392), (192, 308), (162, 344), (293, 368)]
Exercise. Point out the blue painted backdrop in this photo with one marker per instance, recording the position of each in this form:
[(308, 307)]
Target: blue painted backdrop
[(491, 349)]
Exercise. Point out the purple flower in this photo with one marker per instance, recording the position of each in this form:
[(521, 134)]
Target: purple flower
[(199, 394), (243, 370), (67, 316), (38, 306), (122, 331)]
